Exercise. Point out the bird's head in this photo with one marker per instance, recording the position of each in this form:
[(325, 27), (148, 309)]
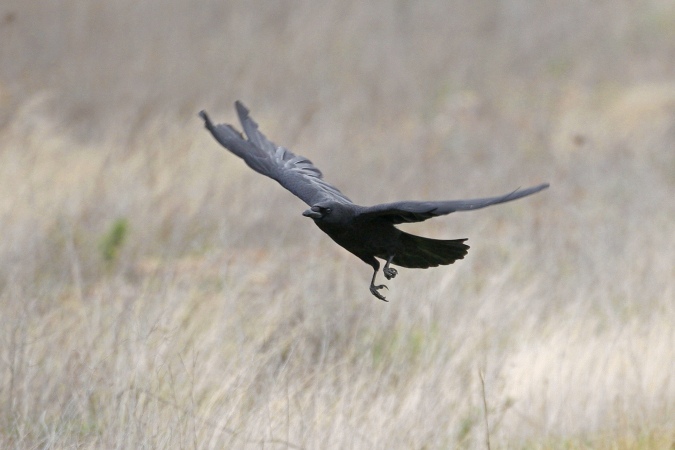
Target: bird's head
[(318, 212), (331, 212)]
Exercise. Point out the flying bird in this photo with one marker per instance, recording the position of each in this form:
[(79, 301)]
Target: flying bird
[(366, 231)]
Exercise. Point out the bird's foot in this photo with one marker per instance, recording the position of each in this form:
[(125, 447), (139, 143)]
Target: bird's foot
[(389, 272), (374, 289)]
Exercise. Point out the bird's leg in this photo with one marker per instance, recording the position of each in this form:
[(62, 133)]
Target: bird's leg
[(373, 289), (389, 272)]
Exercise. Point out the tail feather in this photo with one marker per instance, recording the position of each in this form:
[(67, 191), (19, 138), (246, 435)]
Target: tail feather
[(421, 252)]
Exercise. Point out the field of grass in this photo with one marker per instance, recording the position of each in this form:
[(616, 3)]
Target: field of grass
[(156, 293)]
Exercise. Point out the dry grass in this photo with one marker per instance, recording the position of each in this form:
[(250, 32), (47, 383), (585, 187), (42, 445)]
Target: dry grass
[(147, 299)]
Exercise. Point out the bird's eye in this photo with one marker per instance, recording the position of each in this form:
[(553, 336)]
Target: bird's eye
[(328, 210)]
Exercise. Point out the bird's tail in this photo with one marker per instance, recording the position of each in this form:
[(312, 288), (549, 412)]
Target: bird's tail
[(421, 252)]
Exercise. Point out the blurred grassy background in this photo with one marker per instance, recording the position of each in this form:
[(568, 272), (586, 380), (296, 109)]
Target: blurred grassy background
[(148, 299)]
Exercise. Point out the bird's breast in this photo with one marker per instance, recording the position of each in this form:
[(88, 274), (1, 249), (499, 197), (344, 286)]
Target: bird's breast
[(360, 239)]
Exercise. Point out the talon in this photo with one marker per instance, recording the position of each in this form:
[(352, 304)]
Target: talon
[(389, 272), (374, 289)]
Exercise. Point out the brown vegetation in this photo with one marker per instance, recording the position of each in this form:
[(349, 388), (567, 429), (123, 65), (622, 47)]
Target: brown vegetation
[(149, 300)]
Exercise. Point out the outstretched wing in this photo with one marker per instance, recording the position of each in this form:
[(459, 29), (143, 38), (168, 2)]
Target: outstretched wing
[(295, 173), (400, 212)]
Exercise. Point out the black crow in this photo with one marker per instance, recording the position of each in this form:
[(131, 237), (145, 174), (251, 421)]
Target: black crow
[(366, 231)]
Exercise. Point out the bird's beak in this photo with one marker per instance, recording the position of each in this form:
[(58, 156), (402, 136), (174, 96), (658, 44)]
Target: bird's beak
[(313, 213)]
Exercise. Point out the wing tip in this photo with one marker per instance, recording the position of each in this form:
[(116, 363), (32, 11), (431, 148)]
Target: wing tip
[(540, 187), (242, 111), (206, 118), (530, 190)]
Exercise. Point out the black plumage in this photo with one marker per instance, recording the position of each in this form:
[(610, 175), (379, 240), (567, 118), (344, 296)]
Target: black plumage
[(366, 231)]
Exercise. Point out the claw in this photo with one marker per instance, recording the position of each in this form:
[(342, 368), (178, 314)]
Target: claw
[(374, 289), (389, 272)]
